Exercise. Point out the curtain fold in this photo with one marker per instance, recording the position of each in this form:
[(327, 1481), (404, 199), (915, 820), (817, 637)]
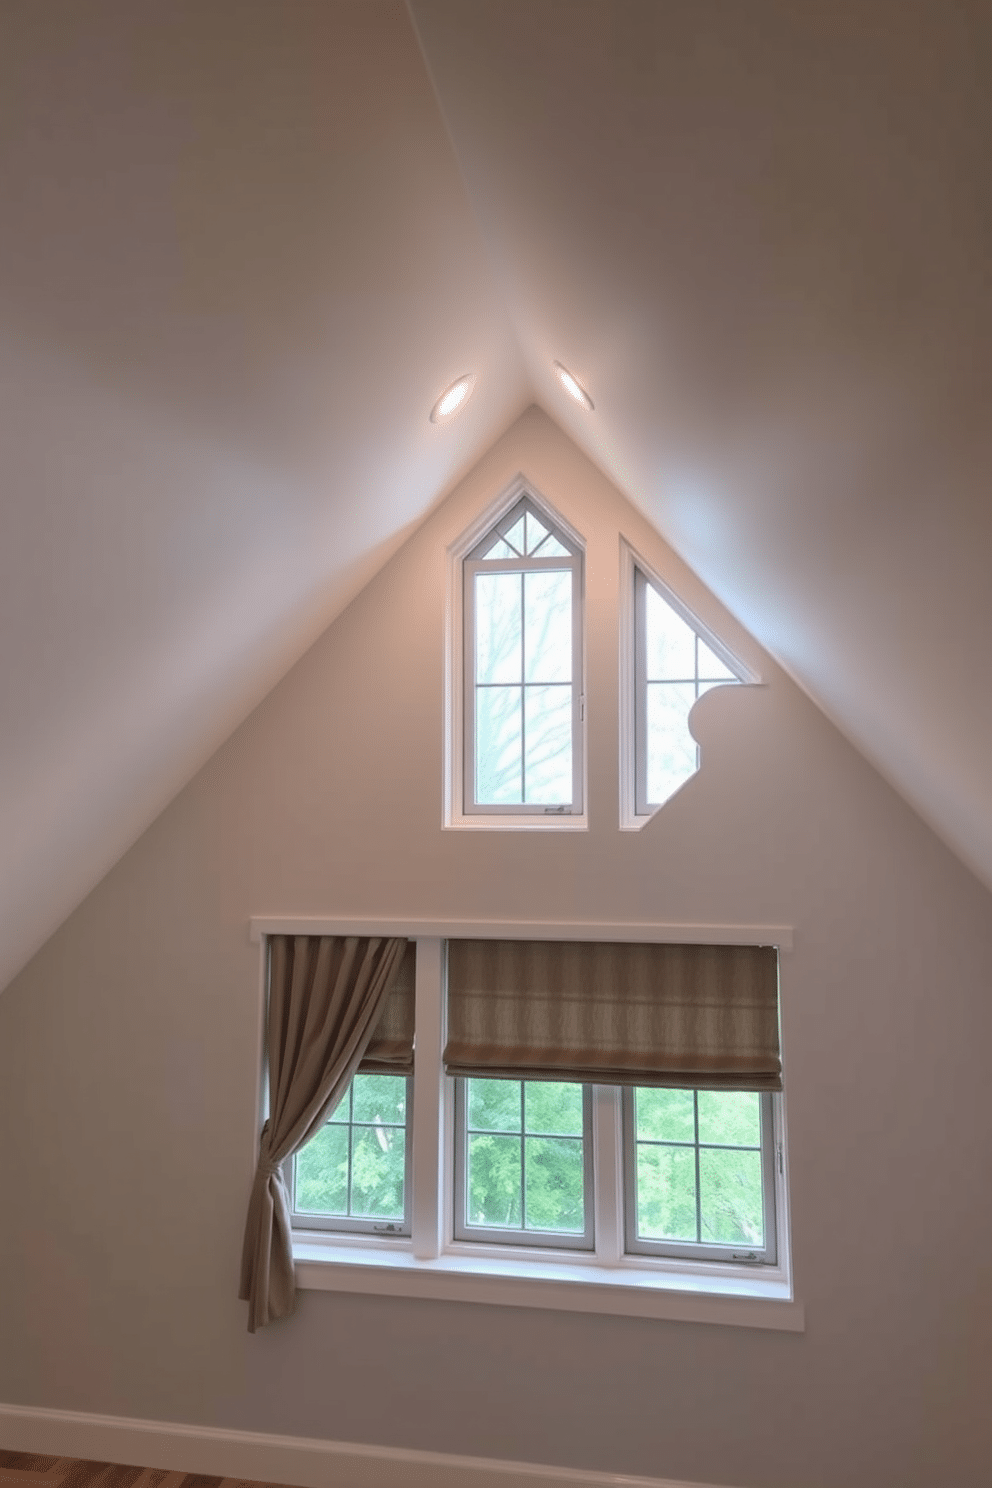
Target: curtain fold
[(702, 1016), (326, 996), (390, 1049)]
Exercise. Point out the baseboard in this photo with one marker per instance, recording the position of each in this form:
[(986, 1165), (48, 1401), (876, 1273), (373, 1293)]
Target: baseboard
[(306, 1461)]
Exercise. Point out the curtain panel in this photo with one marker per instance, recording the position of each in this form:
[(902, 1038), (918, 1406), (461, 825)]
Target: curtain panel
[(327, 995), (615, 1013)]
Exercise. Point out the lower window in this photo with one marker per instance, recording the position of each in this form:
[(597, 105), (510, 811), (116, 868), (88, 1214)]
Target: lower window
[(699, 1174), (634, 1185), (523, 1169), (355, 1173), (698, 1178)]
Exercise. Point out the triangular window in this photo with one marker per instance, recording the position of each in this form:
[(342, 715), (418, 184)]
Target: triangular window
[(675, 662)]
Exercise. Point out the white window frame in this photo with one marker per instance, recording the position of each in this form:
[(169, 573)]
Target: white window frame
[(693, 1250), (635, 574), (460, 809), (433, 1263)]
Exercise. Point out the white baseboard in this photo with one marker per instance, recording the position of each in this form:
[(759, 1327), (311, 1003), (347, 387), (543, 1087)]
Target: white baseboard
[(306, 1461)]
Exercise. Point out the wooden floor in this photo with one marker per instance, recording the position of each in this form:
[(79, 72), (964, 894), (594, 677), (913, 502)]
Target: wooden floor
[(28, 1469)]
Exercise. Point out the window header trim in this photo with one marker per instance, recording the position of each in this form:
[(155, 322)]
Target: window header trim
[(415, 928)]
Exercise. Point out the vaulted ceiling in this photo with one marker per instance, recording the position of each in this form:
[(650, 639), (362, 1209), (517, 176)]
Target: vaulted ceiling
[(247, 243)]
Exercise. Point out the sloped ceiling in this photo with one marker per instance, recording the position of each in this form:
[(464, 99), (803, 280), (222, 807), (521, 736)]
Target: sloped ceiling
[(246, 244)]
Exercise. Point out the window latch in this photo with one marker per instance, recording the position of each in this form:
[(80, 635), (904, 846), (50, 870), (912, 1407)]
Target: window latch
[(746, 1255), (557, 810), (387, 1229)]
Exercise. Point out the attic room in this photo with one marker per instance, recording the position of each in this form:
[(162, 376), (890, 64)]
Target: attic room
[(248, 249)]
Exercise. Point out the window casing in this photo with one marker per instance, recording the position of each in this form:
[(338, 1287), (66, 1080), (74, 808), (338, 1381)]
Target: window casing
[(611, 1231), (523, 705)]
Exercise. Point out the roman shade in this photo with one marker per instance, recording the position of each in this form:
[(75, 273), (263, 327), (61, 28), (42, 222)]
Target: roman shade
[(703, 1016), (390, 1049)]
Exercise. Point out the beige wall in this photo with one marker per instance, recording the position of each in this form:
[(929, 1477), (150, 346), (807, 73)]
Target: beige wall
[(127, 1073)]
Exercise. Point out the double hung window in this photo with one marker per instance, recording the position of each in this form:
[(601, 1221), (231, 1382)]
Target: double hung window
[(522, 688)]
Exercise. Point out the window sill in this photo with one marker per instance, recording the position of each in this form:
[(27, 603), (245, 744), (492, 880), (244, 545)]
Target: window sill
[(496, 822), (629, 1289)]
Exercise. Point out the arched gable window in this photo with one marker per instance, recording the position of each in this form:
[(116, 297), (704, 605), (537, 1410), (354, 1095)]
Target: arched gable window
[(522, 693)]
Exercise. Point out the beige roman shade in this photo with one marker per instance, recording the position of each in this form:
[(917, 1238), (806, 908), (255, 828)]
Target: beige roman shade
[(615, 1013), (390, 1049)]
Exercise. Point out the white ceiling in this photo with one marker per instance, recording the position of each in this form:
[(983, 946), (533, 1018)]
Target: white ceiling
[(243, 252)]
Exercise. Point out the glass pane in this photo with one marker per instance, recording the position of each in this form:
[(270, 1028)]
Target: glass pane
[(672, 757), (732, 1117), (494, 1182), (553, 1108), (548, 765), (666, 1193), (493, 1105), (548, 626), (498, 746), (555, 1189), (500, 549), (671, 643), (730, 1197), (551, 548), (515, 534), (497, 627), (536, 532), (322, 1173), (378, 1160), (665, 1115), (711, 667), (380, 1098)]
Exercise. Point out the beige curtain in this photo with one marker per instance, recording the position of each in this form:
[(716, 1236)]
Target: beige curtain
[(615, 1013), (326, 994)]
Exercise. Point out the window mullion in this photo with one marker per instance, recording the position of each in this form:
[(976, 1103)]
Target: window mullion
[(699, 1197), (523, 1158), (429, 1087), (608, 1166)]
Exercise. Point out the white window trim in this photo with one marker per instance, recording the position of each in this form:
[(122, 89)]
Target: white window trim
[(631, 820), (455, 815), (431, 1264)]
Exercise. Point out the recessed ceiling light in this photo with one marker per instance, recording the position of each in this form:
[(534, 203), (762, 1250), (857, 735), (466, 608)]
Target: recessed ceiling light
[(572, 386), (452, 398)]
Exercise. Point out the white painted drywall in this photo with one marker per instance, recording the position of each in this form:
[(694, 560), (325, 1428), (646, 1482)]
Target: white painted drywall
[(127, 1073)]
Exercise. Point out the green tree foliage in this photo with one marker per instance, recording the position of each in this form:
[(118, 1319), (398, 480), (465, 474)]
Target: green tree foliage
[(525, 1157), (356, 1164), (724, 1128)]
